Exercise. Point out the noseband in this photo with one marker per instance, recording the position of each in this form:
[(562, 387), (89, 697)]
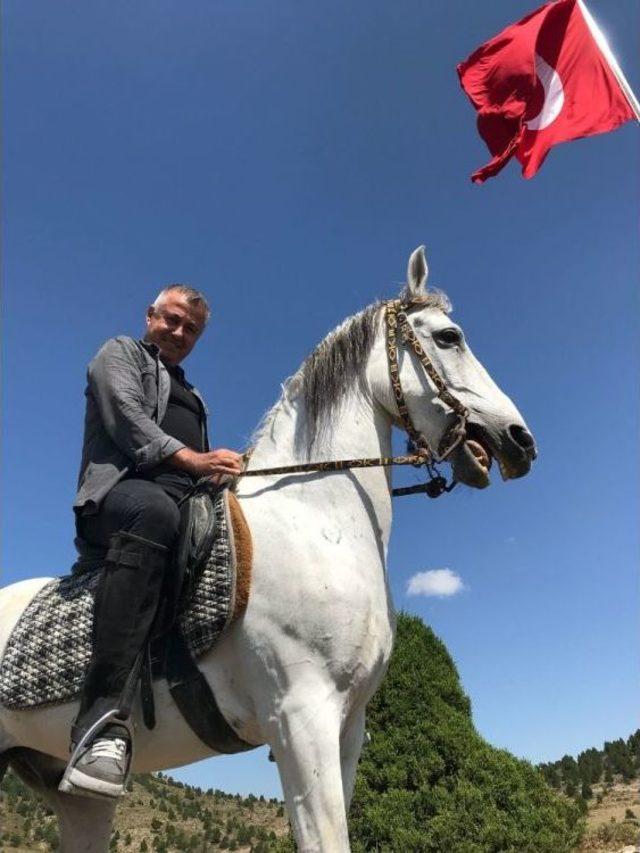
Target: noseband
[(396, 320)]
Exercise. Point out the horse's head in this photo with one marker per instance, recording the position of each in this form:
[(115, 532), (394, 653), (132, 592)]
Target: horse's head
[(494, 430)]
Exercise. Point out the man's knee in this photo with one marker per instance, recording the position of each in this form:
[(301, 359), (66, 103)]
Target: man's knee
[(158, 518), (133, 506)]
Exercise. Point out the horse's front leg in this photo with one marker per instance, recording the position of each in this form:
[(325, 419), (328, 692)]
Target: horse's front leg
[(85, 823), (306, 746), (351, 743)]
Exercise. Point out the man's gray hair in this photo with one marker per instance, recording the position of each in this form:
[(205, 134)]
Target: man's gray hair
[(193, 296)]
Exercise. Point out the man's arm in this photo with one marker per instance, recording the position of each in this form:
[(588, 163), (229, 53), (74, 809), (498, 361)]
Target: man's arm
[(115, 379), (214, 463)]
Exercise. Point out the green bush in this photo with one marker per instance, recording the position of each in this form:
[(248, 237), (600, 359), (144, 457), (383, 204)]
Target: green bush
[(428, 783), (617, 833)]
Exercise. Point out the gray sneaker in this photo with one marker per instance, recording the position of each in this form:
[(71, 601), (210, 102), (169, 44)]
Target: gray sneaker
[(101, 770)]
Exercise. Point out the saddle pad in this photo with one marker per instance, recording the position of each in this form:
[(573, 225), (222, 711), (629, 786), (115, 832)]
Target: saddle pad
[(49, 649)]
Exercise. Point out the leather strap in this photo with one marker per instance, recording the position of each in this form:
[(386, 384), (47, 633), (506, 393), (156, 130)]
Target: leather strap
[(409, 337), (396, 318), (338, 465), (391, 319), (147, 699), (193, 696)]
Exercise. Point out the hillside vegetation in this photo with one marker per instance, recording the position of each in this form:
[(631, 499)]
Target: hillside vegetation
[(159, 814), (573, 776), (427, 783), (605, 781)]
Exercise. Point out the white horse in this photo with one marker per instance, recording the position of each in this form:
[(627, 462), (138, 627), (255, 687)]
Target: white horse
[(297, 670)]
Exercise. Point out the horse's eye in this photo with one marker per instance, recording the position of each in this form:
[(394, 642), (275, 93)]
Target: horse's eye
[(448, 337)]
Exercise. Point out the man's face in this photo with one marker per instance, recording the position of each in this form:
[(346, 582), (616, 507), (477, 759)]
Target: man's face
[(174, 326)]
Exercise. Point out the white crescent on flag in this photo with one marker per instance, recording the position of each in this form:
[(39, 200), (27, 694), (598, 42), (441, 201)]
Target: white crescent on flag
[(553, 95)]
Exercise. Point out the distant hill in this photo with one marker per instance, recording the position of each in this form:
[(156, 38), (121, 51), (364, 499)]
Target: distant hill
[(605, 781), (427, 783), (159, 814), (613, 823), (618, 758)]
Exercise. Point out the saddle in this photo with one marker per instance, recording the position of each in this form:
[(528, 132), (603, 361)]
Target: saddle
[(169, 655), (196, 535), (50, 646)]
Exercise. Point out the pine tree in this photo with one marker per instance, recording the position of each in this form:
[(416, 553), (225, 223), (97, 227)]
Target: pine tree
[(620, 758), (428, 783), (590, 766), (551, 774), (569, 771), (633, 743)]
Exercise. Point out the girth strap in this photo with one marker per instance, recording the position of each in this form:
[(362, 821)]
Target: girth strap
[(193, 696)]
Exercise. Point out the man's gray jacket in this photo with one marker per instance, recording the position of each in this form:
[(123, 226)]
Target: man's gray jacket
[(127, 393)]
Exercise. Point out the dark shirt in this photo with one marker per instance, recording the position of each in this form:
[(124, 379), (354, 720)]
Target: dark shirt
[(182, 420), (184, 413)]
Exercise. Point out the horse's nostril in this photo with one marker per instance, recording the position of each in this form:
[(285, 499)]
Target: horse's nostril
[(522, 437)]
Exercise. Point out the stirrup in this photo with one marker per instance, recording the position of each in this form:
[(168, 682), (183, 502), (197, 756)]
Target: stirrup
[(66, 786)]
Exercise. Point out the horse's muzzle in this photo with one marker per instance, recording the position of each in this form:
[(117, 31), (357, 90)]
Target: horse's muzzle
[(513, 448)]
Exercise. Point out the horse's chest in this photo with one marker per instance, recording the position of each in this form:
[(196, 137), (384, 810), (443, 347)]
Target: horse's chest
[(332, 610), (344, 623)]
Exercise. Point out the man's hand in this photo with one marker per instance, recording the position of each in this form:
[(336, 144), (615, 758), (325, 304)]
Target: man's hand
[(215, 464)]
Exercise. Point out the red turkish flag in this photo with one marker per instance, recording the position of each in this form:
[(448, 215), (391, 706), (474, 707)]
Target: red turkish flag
[(539, 82)]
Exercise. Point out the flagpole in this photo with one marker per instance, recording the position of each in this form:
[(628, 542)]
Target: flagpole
[(602, 43)]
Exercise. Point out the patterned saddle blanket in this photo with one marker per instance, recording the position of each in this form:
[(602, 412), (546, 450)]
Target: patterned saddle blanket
[(48, 652)]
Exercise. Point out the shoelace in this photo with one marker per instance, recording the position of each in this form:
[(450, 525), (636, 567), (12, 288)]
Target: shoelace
[(107, 747)]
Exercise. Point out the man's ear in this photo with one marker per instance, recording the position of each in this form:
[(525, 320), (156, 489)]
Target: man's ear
[(150, 312)]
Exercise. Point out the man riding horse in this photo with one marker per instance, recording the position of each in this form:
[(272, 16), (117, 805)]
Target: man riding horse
[(145, 444)]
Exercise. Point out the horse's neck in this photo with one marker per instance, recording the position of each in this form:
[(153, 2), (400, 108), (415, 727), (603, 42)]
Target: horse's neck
[(357, 429)]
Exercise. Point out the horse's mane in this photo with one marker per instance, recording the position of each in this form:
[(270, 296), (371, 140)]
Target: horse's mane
[(335, 365)]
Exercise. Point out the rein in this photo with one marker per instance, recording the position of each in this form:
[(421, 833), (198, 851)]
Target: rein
[(396, 320)]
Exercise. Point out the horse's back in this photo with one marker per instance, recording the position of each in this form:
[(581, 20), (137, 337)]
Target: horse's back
[(13, 601)]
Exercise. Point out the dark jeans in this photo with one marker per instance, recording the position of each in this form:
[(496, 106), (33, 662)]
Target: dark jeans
[(136, 506), (127, 597)]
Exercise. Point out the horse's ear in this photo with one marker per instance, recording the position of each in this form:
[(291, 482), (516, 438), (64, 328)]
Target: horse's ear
[(417, 272)]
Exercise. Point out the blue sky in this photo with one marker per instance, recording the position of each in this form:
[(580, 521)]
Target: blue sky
[(286, 157)]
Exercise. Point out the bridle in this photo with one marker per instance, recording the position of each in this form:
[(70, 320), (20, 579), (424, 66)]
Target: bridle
[(396, 321), (396, 318)]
